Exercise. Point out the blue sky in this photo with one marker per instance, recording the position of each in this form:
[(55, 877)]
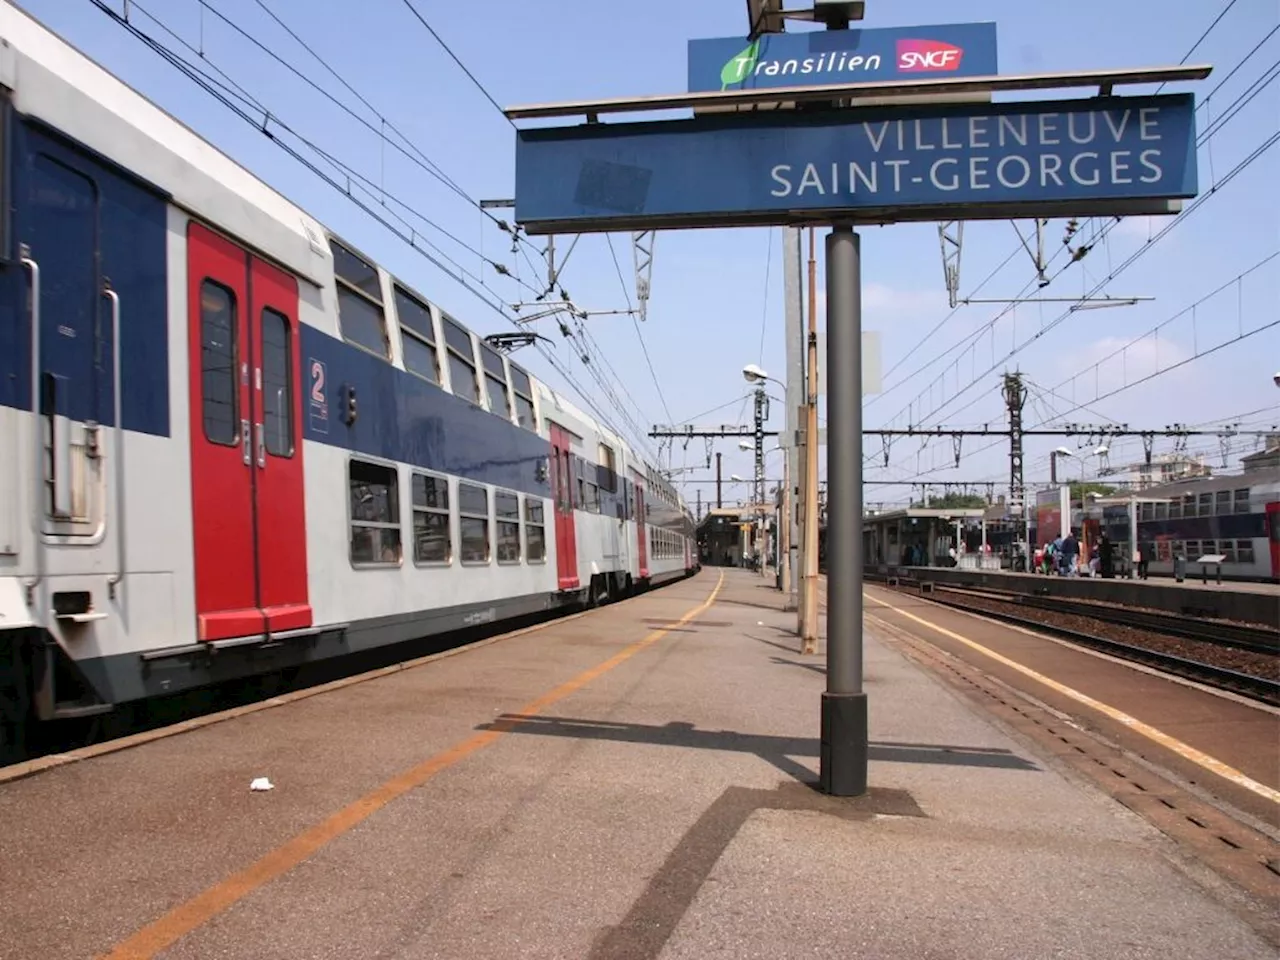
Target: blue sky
[(717, 295)]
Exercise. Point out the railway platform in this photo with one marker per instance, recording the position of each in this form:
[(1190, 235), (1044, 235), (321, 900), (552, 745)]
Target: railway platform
[(634, 782)]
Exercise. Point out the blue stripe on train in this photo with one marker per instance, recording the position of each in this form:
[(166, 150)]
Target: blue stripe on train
[(403, 418), (85, 221)]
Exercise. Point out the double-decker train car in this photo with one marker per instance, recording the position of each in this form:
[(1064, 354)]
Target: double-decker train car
[(230, 442), (1236, 517)]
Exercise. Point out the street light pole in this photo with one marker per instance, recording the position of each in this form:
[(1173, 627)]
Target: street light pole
[(784, 531), (808, 612), (759, 477)]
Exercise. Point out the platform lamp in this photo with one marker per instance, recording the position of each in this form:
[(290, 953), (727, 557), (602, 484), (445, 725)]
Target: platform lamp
[(1053, 462), (1064, 490)]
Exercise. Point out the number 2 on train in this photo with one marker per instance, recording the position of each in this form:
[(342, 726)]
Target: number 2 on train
[(317, 383)]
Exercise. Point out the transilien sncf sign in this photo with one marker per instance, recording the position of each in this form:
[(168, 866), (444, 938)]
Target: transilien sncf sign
[(842, 56)]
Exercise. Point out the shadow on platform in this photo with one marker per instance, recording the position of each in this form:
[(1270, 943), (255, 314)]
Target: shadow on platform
[(778, 751)]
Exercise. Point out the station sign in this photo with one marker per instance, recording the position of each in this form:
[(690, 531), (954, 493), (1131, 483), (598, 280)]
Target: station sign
[(1088, 157), (820, 57)]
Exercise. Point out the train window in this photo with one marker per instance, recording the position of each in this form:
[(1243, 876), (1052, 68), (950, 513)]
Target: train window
[(608, 469), (432, 537), (473, 522), (375, 514), (462, 362), (277, 390), (495, 382), (535, 531), (590, 491), (1244, 551), (524, 398), (506, 511), (1242, 501), (360, 312), (219, 386), (1222, 503), (419, 336)]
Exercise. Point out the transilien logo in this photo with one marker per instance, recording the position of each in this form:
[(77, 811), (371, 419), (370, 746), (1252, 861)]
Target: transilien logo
[(738, 67)]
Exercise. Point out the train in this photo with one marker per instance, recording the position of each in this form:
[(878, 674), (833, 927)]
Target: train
[(1232, 516), (1236, 517), (232, 443)]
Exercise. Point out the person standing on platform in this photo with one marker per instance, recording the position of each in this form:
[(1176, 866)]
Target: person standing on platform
[(1106, 557), (1071, 554), (1145, 549)]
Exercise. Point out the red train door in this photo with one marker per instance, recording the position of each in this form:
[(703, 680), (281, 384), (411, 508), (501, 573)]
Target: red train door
[(246, 453), (642, 536), (1273, 536), (566, 535)]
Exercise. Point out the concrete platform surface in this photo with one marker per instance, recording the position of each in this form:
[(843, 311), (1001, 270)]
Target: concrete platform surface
[(600, 788)]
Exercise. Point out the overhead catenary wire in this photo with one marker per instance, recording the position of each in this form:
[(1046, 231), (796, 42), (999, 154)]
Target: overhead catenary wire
[(1204, 36), (434, 169), (445, 178), (640, 336), (1186, 213), (764, 311), (970, 340), (271, 126), (271, 119), (1242, 335), (453, 56)]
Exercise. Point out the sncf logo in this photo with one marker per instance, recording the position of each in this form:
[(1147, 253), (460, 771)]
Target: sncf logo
[(915, 56)]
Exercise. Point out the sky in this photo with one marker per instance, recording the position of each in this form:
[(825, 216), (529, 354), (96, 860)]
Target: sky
[(1213, 278)]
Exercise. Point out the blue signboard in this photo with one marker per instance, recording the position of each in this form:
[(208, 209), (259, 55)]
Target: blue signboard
[(1073, 157), (821, 57)]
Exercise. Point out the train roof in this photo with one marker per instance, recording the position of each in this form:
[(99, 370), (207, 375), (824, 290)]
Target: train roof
[(926, 513), (1267, 476)]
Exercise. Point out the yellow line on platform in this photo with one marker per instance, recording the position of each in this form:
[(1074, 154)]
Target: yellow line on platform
[(194, 913), (1184, 750)]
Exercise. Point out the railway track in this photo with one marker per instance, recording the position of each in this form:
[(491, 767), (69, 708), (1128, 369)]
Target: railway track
[(1244, 655), (1243, 636)]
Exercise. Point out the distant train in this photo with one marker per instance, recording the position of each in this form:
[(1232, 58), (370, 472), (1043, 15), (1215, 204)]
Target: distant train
[(231, 443), (1236, 517)]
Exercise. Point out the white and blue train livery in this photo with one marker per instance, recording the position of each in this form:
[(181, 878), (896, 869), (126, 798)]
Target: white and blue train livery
[(230, 442)]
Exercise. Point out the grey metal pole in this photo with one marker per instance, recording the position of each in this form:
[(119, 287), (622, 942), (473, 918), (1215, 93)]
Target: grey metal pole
[(757, 514), (796, 344), (844, 705)]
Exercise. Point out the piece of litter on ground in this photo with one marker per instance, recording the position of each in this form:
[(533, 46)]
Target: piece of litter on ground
[(261, 783)]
